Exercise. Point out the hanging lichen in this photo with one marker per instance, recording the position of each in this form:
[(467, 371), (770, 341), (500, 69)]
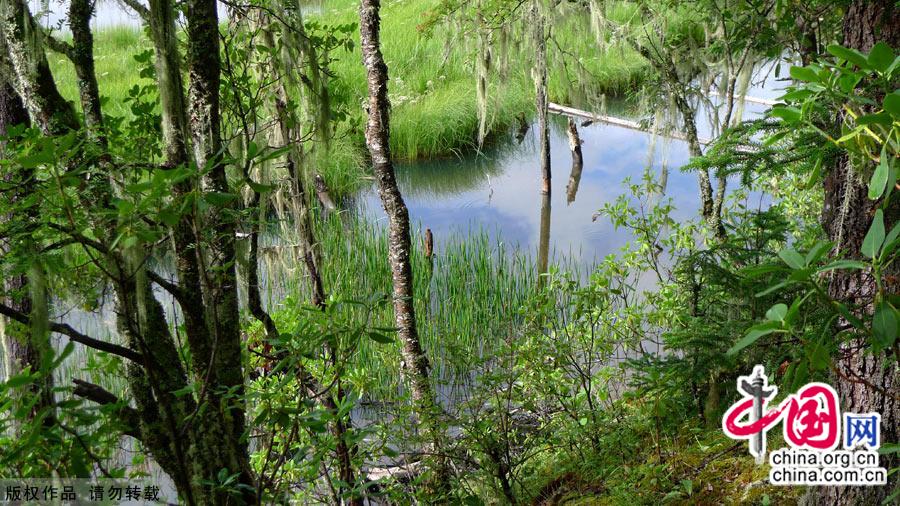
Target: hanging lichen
[(483, 69)]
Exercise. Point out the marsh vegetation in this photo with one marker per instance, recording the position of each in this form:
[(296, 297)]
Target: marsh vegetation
[(441, 251)]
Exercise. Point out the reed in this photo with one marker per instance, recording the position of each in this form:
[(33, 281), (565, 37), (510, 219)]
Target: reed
[(468, 295)]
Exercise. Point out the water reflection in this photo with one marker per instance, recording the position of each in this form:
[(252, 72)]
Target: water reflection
[(577, 161), (544, 242), (499, 190)]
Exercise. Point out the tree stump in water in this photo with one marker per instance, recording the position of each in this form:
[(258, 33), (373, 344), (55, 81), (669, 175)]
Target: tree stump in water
[(429, 244), (577, 161), (322, 193)]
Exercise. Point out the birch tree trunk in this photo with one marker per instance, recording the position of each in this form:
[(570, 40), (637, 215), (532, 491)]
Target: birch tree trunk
[(415, 362)]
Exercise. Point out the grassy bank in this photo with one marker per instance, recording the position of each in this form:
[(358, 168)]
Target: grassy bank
[(433, 85), (690, 464), (433, 90)]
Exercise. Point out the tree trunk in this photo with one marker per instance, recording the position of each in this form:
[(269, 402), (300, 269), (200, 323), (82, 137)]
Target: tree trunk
[(846, 217), (33, 81), (19, 348), (544, 240), (82, 56), (415, 362), (540, 93), (222, 442)]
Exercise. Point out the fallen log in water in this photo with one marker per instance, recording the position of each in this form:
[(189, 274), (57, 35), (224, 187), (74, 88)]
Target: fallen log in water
[(755, 100), (403, 473), (625, 123), (612, 120)]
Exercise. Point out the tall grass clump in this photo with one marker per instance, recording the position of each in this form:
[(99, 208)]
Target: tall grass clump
[(467, 296)]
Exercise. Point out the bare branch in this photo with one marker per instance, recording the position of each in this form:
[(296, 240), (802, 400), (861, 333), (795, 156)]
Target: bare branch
[(74, 335), (138, 8), (127, 415)]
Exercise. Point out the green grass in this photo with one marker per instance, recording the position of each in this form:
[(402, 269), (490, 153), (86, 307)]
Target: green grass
[(467, 300), (117, 71), (434, 110)]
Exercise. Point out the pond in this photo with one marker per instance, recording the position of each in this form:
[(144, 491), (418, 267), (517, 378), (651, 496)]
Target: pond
[(498, 190)]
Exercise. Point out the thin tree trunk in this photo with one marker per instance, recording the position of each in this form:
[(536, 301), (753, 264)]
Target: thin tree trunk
[(540, 93), (82, 56), (222, 443), (416, 366), (846, 217), (544, 240)]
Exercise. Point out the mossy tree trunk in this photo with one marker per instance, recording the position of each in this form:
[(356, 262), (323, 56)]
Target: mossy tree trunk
[(195, 436), (20, 351)]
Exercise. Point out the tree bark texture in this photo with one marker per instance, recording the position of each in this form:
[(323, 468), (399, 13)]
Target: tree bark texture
[(19, 349), (34, 82), (416, 366), (846, 217), (540, 94)]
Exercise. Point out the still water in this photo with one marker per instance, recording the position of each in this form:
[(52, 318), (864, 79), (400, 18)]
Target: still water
[(498, 190)]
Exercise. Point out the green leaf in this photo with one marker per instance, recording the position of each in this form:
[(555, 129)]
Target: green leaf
[(773, 288), (787, 113), (260, 188), (817, 252), (777, 312), (218, 198), (888, 448), (816, 172), (843, 264), (849, 55), (884, 324), (889, 240), (892, 104), (875, 236), (849, 81), (880, 177), (19, 380), (819, 358), (753, 335), (881, 118), (792, 258), (378, 337), (35, 160), (804, 74), (881, 57), (796, 95)]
